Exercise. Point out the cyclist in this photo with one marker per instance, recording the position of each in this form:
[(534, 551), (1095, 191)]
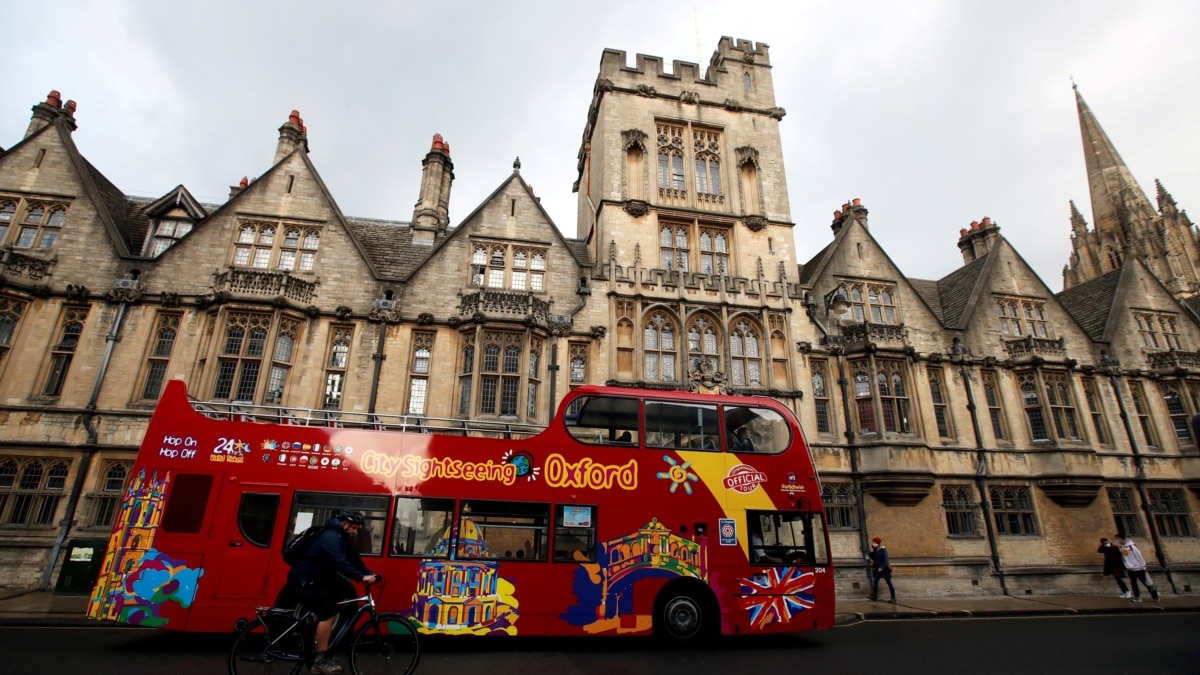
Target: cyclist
[(316, 580)]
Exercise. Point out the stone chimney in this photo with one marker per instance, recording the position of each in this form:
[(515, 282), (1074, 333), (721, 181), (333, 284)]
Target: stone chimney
[(293, 134), (977, 240), (431, 215), (46, 112), (851, 211)]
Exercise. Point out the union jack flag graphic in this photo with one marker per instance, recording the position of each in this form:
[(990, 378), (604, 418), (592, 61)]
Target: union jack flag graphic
[(778, 594)]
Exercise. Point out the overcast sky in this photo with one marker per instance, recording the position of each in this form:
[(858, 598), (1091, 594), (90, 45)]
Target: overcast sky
[(934, 113)]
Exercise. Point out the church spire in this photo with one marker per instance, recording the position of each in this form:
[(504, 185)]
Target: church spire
[(1115, 194)]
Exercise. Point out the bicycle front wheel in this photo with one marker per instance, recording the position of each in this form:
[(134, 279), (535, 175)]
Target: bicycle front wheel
[(268, 647), (388, 644)]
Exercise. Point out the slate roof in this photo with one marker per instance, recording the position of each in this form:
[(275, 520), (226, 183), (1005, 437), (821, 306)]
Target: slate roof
[(131, 230), (928, 290), (1091, 302), (389, 245), (954, 292)]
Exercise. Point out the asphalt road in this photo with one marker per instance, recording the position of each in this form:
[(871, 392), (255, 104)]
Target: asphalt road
[(1091, 645)]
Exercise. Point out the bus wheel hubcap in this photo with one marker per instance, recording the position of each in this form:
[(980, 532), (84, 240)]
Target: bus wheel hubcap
[(683, 617)]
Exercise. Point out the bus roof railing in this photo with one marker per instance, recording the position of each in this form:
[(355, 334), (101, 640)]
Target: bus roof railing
[(341, 419)]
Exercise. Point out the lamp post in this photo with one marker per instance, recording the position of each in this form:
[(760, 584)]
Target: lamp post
[(837, 301), (963, 354), (1111, 366)]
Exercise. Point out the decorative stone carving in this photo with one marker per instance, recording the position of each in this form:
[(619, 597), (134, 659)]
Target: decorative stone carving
[(874, 333), (169, 300), (258, 282), (454, 321), (632, 137), (733, 105), (706, 380), (126, 291), (755, 223), (748, 57), (479, 317), (20, 265), (746, 154), (312, 311), (612, 250), (77, 293), (342, 312), (1030, 346), (599, 332), (384, 315), (424, 319), (636, 208), (504, 302), (776, 112), (604, 84), (560, 324), (692, 97), (647, 91), (279, 301)]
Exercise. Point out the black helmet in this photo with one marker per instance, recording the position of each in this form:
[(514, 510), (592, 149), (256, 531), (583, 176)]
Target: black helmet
[(353, 517)]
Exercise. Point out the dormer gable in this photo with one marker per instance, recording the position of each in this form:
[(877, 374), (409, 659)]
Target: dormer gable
[(171, 216)]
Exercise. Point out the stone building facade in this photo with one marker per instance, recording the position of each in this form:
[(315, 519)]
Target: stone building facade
[(990, 429)]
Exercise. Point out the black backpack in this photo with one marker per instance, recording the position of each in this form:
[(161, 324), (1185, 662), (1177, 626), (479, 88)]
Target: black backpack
[(294, 550)]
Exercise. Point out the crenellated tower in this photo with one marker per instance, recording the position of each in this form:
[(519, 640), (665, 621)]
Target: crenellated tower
[(681, 187), (1126, 223)]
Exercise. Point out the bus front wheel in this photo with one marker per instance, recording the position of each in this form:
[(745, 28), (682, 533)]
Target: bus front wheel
[(683, 615)]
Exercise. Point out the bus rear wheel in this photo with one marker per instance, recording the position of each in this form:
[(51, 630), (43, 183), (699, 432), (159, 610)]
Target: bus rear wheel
[(682, 616)]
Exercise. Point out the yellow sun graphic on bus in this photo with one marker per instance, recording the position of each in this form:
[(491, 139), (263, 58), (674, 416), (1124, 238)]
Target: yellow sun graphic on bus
[(678, 474)]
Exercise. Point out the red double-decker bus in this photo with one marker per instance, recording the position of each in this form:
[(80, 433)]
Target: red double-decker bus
[(634, 511)]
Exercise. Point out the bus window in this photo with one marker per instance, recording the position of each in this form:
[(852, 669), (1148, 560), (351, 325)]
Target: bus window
[(682, 426), (256, 517), (603, 420), (315, 508), (503, 530), (756, 430), (187, 503), (575, 533), (422, 527), (786, 537)]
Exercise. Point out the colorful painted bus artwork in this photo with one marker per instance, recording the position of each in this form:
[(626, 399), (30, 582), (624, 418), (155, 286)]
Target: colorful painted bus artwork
[(136, 580)]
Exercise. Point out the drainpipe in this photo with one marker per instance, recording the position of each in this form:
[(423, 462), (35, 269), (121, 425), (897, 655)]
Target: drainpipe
[(837, 350), (1114, 372), (89, 449), (378, 357), (584, 292), (981, 465)]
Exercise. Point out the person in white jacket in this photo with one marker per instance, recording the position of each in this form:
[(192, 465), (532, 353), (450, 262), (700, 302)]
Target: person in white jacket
[(1135, 565)]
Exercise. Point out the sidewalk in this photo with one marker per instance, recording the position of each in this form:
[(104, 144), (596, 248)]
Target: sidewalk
[(44, 608), (853, 610)]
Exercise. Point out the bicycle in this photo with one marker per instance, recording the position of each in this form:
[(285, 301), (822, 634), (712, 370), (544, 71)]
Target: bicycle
[(280, 640)]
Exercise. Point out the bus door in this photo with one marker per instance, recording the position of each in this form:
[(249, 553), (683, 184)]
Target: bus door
[(246, 529)]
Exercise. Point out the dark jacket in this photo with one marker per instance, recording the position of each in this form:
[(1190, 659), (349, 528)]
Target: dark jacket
[(1113, 564), (879, 563), (330, 555)]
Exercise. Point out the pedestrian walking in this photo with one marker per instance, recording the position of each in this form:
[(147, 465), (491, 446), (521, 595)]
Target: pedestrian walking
[(881, 568), (1114, 564), (1135, 567)]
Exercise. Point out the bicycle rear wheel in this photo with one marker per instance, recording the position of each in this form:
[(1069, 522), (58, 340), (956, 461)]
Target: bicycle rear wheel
[(388, 644), (270, 646)]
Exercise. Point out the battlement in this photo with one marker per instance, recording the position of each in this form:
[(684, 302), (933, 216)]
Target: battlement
[(728, 48), (650, 70)]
